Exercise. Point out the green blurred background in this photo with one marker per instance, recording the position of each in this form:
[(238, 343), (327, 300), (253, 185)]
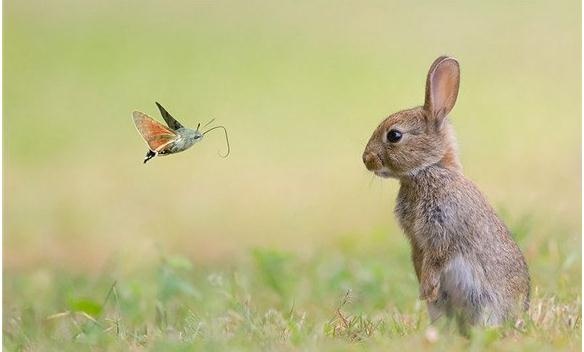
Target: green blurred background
[(300, 86)]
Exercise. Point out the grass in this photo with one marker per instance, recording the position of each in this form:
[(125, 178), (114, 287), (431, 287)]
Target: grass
[(353, 294), (337, 298), (289, 243)]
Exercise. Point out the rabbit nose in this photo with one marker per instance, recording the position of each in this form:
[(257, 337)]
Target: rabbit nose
[(371, 161)]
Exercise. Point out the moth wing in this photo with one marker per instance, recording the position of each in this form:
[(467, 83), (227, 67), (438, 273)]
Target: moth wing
[(170, 121), (156, 135)]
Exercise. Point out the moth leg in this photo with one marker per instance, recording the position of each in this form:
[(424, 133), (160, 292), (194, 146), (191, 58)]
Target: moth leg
[(149, 156)]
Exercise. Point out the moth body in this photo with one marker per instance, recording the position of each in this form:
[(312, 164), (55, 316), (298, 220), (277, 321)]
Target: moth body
[(186, 138)]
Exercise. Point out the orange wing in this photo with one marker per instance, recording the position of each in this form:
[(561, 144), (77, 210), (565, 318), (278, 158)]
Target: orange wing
[(156, 135)]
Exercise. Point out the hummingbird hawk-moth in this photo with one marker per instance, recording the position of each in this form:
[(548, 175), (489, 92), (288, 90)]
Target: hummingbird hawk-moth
[(175, 138)]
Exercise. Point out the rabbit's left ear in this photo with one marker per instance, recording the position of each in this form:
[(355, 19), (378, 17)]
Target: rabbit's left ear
[(442, 87)]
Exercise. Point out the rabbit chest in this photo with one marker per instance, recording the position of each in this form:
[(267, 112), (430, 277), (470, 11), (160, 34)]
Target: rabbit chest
[(427, 212)]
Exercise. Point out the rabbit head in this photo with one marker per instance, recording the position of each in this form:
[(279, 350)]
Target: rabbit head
[(411, 140)]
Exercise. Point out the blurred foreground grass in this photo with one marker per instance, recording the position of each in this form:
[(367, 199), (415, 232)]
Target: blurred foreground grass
[(300, 86), (339, 298), (354, 294)]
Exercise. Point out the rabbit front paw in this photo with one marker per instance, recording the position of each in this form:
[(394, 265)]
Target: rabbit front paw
[(429, 290)]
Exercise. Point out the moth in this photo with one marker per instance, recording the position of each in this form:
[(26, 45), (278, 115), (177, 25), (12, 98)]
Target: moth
[(175, 138)]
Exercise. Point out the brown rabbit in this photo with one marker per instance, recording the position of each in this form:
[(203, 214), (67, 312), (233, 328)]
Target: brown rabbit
[(466, 262)]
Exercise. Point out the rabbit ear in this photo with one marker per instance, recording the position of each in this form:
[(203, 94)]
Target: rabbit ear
[(442, 87)]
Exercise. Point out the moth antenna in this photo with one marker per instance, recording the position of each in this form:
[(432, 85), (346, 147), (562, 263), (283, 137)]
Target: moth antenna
[(226, 139), (208, 123), (198, 125)]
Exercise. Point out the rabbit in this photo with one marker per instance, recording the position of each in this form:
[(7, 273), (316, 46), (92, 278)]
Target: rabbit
[(466, 262)]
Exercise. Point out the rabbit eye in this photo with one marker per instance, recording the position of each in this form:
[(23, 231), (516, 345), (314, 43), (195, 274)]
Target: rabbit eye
[(394, 136)]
